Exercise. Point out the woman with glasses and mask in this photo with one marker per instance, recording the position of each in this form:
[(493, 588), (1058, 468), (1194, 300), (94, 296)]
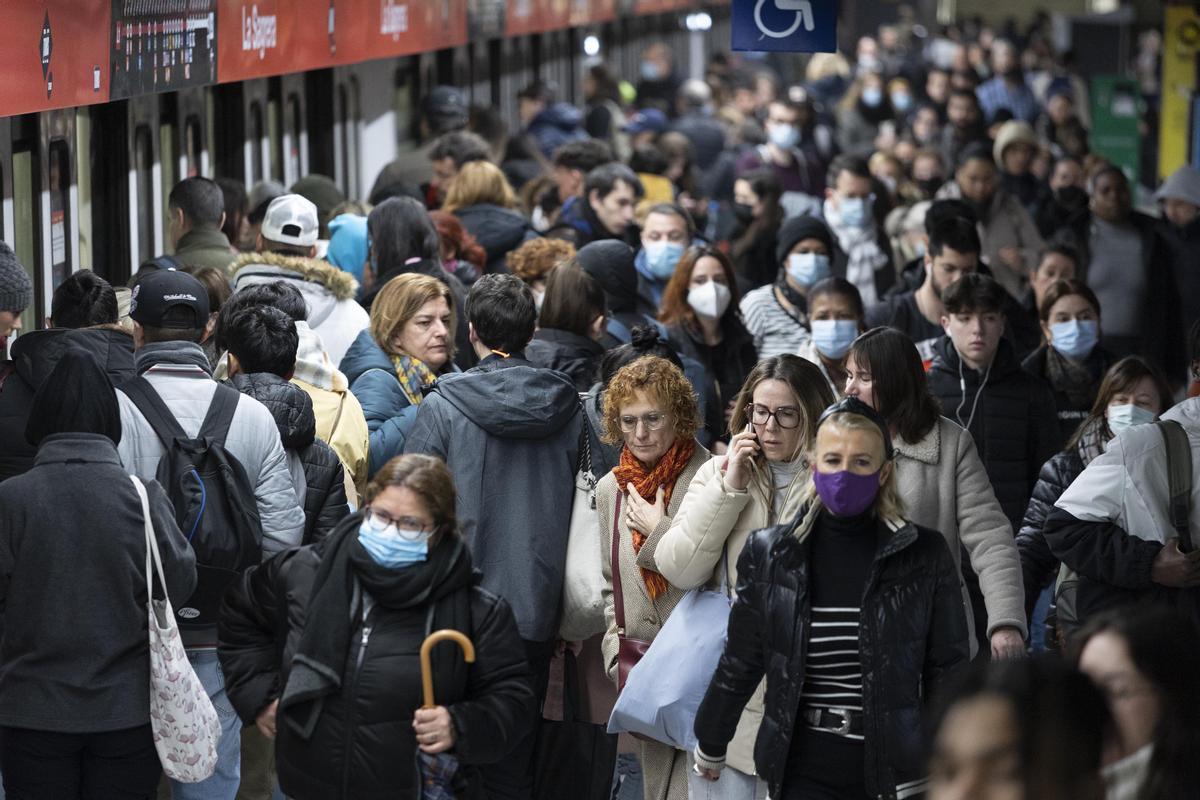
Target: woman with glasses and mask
[(320, 645), (853, 615), (650, 409), (758, 483), (700, 309)]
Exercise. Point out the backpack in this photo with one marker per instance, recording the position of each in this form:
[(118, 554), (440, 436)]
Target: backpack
[(213, 497), (1179, 508)]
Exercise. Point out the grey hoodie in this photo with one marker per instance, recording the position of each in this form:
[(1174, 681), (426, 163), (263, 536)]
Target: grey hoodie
[(510, 434)]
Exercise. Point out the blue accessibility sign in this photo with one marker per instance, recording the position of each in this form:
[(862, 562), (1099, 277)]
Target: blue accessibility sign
[(795, 26)]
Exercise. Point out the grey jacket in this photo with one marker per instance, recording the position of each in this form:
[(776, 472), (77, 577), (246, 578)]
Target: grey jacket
[(75, 651), (510, 434), (178, 372)]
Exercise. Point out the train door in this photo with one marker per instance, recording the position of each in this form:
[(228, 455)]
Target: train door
[(58, 199), (109, 155), (295, 128), (347, 133)]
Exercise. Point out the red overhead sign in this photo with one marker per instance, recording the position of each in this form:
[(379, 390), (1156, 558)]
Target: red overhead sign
[(53, 54)]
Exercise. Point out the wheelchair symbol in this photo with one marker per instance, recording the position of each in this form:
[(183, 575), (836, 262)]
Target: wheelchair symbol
[(803, 9)]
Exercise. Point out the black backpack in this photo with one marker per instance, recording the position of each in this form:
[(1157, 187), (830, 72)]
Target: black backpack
[(213, 497)]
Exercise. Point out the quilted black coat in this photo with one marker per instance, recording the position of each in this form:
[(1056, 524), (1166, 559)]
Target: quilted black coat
[(912, 636), (1038, 565), (1015, 425), (323, 493)]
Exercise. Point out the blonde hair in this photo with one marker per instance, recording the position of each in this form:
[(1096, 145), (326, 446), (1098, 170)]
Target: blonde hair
[(479, 182), (888, 505), (399, 301)]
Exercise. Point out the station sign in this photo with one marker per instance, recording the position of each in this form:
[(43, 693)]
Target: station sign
[(794, 26)]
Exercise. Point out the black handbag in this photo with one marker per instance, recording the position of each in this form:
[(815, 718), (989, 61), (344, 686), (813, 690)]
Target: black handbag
[(575, 759)]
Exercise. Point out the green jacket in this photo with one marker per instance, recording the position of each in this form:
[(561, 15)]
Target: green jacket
[(203, 247)]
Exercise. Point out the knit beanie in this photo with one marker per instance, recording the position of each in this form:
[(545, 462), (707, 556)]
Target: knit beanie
[(1014, 131), (16, 290), (76, 397), (796, 230), (610, 263), (1182, 184)]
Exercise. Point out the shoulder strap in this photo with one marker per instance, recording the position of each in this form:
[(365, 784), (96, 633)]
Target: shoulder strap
[(618, 591), (1179, 479), (153, 560), (220, 414), (148, 401)]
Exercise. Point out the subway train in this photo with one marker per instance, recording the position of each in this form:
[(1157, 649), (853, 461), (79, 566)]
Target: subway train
[(108, 104)]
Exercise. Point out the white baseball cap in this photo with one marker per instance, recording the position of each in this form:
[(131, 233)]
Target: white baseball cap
[(291, 219)]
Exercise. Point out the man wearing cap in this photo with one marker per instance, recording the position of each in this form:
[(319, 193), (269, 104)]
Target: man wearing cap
[(169, 311), (16, 293), (1179, 233), (195, 214), (645, 127), (287, 250), (443, 110)]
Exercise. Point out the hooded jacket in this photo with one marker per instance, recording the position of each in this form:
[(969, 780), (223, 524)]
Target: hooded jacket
[(577, 357), (556, 125), (912, 638), (1014, 424), (328, 293), (510, 434), (363, 746), (386, 407), (1112, 521), (34, 356), (317, 475), (498, 230)]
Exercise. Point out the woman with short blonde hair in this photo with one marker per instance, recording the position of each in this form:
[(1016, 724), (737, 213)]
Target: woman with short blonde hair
[(482, 198)]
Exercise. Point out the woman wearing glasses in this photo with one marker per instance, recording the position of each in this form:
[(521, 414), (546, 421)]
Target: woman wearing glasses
[(700, 309), (650, 409), (757, 484), (320, 648)]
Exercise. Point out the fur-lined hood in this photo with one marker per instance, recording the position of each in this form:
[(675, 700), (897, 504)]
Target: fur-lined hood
[(340, 284)]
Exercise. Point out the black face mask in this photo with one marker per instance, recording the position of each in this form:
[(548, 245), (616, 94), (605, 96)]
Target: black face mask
[(929, 186), (743, 212)]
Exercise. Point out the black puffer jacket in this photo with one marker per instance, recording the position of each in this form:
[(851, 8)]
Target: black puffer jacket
[(317, 473), (34, 355), (578, 357), (498, 230), (1015, 424), (1038, 564), (912, 636), (363, 745)]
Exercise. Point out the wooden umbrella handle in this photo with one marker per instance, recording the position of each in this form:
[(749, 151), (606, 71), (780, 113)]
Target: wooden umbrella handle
[(426, 648)]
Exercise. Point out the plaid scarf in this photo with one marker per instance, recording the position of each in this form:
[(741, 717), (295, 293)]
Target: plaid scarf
[(312, 362), (413, 375), (665, 473)]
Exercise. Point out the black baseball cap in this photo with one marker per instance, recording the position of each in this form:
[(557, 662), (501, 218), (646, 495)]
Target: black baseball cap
[(445, 107), (160, 291)]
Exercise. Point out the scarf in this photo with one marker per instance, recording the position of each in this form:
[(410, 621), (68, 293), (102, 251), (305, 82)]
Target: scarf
[(863, 253), (792, 296), (665, 473), (182, 354), (413, 374), (438, 588), (1072, 379), (1092, 442), (312, 362)]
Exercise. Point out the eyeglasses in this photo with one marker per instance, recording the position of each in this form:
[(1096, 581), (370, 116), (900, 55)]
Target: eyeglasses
[(785, 416), (405, 526), (654, 421)]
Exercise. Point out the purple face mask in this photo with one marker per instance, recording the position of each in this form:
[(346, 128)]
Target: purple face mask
[(845, 493)]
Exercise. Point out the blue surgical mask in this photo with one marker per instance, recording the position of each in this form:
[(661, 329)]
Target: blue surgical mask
[(872, 96), (661, 258), (651, 71), (392, 548), (1122, 418), (901, 101), (784, 136), (833, 337), (808, 268), (1075, 338), (854, 212)]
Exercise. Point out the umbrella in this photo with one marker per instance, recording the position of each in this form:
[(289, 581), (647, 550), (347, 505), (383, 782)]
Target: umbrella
[(438, 771)]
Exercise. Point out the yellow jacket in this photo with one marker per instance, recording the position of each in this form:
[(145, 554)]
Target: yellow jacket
[(342, 425)]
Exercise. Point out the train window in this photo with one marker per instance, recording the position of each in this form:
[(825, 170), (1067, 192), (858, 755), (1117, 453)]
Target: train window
[(25, 236), (193, 145), (143, 167), (255, 143), (295, 127), (60, 209), (403, 104)]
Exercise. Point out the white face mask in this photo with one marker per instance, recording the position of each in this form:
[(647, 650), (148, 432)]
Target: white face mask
[(710, 299)]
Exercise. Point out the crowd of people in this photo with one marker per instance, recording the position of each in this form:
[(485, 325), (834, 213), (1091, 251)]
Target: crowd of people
[(884, 352)]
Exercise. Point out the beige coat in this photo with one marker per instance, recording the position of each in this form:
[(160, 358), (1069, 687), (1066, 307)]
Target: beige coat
[(664, 769), (714, 520), (945, 487)]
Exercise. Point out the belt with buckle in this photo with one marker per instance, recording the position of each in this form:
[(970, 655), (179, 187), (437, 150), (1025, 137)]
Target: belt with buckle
[(842, 721)]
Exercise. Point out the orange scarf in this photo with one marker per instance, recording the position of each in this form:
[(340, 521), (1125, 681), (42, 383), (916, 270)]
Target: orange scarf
[(668, 469)]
